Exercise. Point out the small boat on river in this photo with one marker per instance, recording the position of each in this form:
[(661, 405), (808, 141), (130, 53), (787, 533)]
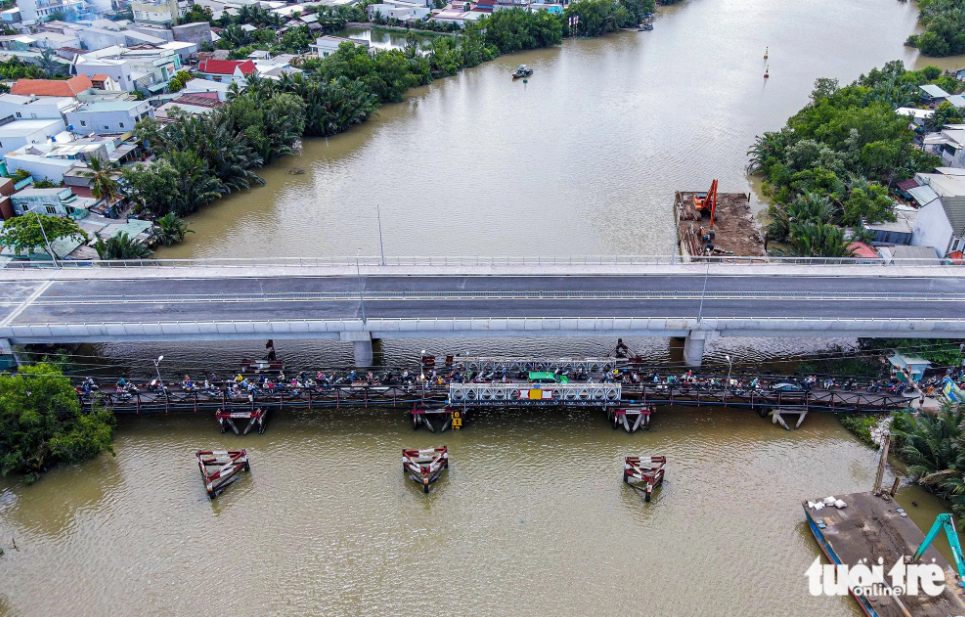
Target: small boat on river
[(522, 71)]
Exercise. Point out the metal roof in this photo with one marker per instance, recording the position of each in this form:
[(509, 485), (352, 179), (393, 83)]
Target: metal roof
[(923, 195), (934, 91)]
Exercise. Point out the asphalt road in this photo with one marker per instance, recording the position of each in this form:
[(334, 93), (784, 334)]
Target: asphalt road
[(297, 298)]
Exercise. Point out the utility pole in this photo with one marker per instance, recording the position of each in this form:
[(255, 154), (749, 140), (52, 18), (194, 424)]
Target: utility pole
[(50, 250), (358, 268), (381, 247)]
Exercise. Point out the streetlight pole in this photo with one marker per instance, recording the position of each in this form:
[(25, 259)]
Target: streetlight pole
[(157, 362), (50, 250), (358, 269), (378, 212), (700, 310)]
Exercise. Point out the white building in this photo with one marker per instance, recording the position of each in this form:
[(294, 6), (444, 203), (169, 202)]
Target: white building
[(199, 86), (918, 116), (20, 133), (324, 46), (33, 11), (941, 221), (108, 117), (160, 12), (35, 107), (396, 9), (949, 144)]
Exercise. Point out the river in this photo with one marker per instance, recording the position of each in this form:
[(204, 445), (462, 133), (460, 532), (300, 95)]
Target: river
[(533, 518), (582, 160)]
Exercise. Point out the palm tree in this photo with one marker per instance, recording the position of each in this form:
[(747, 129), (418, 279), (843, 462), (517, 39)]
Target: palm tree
[(47, 63), (804, 210), (103, 184), (932, 445), (171, 229), (121, 246), (819, 240)]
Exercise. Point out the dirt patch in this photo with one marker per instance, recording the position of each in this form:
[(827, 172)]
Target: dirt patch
[(736, 231)]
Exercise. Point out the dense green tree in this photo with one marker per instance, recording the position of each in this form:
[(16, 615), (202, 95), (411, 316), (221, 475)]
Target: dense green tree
[(847, 145), (151, 187), (41, 422), (197, 13), (944, 22), (946, 113), (25, 234), (517, 29)]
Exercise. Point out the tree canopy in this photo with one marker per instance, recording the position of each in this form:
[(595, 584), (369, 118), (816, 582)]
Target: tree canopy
[(848, 147), (41, 422), (24, 234)]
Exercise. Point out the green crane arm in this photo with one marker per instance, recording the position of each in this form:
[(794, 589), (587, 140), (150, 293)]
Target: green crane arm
[(948, 523)]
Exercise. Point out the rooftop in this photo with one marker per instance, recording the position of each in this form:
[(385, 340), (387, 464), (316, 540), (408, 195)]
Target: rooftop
[(226, 67), (934, 91), (102, 106), (52, 87), (23, 128)]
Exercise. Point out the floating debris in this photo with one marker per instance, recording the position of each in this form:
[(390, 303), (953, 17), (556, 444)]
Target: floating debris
[(296, 171), (646, 471), (425, 466), (226, 463)]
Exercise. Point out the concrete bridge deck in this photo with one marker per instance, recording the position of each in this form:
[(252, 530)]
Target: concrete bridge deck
[(697, 301)]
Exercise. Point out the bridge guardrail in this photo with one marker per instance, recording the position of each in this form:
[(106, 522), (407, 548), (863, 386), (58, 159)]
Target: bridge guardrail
[(351, 296), (470, 261), (482, 393)]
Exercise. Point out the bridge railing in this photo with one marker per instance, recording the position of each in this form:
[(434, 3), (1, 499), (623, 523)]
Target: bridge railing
[(473, 261), (522, 393)]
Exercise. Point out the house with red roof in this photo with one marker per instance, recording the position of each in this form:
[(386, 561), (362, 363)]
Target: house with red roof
[(226, 70), (52, 87)]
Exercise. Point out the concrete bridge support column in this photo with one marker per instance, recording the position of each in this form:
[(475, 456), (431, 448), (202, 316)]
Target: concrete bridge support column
[(362, 342), (694, 346)]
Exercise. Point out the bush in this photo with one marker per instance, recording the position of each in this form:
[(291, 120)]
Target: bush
[(860, 425), (41, 422)]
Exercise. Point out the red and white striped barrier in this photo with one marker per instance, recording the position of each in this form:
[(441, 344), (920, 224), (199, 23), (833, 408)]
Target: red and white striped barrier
[(219, 468), (631, 418), (258, 417), (425, 466), (646, 471)]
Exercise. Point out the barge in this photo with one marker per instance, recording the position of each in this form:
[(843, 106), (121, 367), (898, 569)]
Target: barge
[(864, 526)]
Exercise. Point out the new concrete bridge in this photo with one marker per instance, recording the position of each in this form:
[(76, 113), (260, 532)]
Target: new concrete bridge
[(252, 299)]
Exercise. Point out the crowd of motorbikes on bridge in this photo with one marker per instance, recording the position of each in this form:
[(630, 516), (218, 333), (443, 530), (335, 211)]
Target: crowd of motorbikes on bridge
[(434, 382)]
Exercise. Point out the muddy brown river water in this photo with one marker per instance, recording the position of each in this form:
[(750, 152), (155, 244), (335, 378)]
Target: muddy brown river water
[(533, 518)]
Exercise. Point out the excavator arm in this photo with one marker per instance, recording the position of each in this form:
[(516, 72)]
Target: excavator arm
[(946, 522)]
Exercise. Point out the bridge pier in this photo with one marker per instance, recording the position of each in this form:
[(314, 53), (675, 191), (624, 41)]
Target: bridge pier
[(694, 346), (362, 342)]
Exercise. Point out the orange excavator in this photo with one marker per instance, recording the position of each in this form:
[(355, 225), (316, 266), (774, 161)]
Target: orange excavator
[(704, 202), (707, 202)]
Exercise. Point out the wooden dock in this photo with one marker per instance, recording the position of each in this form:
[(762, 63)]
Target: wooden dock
[(870, 527)]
